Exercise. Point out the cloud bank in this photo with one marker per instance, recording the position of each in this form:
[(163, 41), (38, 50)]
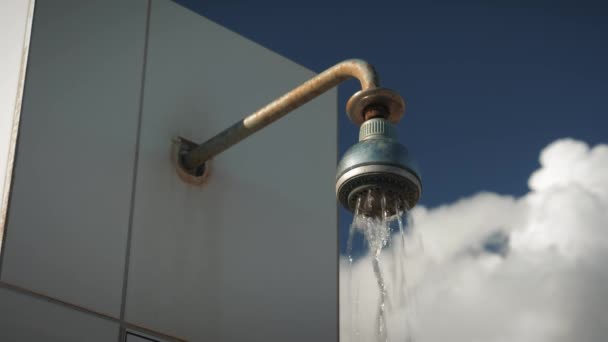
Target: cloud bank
[(494, 268)]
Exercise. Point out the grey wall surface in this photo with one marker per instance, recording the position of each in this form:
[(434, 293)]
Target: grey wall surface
[(28, 319), (250, 256), (141, 338), (69, 207)]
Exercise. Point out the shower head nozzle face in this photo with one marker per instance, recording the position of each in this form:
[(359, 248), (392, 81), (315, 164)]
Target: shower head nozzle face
[(377, 190), (377, 176)]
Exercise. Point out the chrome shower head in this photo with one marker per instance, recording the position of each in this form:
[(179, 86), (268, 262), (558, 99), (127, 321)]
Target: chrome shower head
[(378, 172)]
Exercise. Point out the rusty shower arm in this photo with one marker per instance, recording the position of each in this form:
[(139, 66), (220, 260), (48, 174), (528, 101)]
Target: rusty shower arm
[(353, 68)]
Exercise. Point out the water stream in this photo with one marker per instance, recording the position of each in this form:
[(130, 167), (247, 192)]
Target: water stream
[(378, 233), (354, 300)]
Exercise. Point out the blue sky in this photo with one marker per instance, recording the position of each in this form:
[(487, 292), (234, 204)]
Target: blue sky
[(510, 241), (488, 85)]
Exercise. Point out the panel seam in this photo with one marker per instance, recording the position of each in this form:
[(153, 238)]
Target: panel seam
[(135, 164), (58, 302)]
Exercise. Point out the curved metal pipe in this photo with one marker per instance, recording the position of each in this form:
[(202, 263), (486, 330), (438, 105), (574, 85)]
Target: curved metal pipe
[(352, 68)]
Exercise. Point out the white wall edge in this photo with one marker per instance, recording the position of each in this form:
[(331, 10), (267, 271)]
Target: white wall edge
[(10, 161)]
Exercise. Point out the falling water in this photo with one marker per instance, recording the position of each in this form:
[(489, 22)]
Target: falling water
[(349, 252), (378, 233), (399, 254)]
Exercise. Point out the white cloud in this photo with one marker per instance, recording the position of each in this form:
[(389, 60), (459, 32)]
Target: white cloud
[(549, 284)]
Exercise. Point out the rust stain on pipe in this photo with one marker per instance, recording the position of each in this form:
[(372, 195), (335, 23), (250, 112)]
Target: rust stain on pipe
[(352, 68)]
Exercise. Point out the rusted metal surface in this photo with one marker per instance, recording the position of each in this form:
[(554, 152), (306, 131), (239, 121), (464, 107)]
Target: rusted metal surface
[(198, 176), (375, 110), (275, 110), (359, 103)]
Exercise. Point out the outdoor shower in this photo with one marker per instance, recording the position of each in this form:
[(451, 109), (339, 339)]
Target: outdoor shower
[(377, 167)]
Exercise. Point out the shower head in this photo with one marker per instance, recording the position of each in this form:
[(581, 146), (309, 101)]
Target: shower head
[(377, 176), (377, 171)]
